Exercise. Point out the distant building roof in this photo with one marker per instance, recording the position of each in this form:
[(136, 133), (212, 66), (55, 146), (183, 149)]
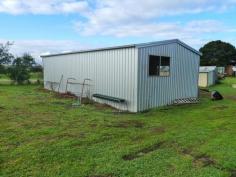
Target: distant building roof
[(206, 69)]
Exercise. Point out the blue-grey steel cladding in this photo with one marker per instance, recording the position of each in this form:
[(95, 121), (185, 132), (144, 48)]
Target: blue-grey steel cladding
[(122, 72)]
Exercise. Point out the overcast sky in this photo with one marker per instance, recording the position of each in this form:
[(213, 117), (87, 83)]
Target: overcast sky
[(49, 26)]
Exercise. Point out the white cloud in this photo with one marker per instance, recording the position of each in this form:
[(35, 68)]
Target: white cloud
[(122, 18), (43, 6), (190, 31), (39, 47), (120, 10), (138, 18), (141, 18)]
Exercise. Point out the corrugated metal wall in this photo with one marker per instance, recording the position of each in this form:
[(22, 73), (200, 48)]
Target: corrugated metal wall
[(113, 73), (183, 80), (211, 78)]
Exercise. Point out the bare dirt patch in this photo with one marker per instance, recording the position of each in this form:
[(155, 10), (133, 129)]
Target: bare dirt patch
[(57, 94), (203, 161), (66, 95), (100, 106), (143, 151)]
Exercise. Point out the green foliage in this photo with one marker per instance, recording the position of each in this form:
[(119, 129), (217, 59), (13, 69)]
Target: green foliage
[(26, 60), (42, 135), (3, 69), (20, 69), (217, 53), (18, 74), (5, 55)]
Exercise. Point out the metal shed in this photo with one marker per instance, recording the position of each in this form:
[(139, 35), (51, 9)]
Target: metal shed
[(207, 76), (144, 75)]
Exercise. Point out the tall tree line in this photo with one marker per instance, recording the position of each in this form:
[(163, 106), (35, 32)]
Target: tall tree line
[(217, 53)]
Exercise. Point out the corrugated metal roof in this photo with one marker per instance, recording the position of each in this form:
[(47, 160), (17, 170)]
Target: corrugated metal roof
[(206, 69), (141, 45)]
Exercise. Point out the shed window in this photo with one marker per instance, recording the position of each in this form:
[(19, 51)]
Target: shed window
[(159, 65), (154, 65)]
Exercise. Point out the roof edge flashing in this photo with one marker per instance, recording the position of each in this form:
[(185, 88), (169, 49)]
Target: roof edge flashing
[(169, 42), (141, 45), (89, 50)]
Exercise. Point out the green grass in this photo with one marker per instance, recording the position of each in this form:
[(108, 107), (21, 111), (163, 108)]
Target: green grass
[(42, 135)]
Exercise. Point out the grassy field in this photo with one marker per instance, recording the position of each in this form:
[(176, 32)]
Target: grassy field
[(42, 135), (5, 80)]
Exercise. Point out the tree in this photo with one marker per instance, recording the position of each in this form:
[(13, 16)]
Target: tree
[(5, 56), (217, 53), (20, 68), (28, 61), (3, 69)]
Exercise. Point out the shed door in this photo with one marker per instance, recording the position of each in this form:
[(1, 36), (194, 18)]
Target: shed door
[(202, 81)]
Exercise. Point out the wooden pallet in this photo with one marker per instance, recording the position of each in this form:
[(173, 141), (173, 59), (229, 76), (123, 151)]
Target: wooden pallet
[(186, 101)]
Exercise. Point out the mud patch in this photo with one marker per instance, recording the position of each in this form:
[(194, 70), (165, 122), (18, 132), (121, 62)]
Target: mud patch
[(203, 161), (128, 124), (142, 152), (199, 160)]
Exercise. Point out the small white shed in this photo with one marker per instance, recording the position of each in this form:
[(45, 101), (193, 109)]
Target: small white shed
[(207, 76), (132, 77)]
